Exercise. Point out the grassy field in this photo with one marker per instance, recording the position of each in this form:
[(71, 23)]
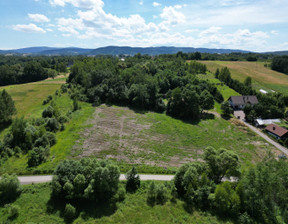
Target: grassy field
[(65, 140), (29, 97), (262, 77), (159, 140), (35, 208)]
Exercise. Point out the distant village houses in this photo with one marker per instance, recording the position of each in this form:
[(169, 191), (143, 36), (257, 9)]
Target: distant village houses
[(239, 102)]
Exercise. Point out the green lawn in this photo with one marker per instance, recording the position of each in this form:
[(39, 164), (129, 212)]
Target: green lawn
[(262, 77), (35, 208)]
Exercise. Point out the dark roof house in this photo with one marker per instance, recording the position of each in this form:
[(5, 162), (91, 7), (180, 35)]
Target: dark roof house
[(239, 102), (277, 131)]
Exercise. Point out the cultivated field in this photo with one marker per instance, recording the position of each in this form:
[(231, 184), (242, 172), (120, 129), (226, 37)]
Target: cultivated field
[(262, 77), (158, 140)]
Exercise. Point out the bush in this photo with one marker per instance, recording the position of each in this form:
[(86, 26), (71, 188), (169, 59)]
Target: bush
[(70, 212), (133, 180), (52, 125), (48, 112), (63, 119), (157, 194), (51, 138), (10, 188), (37, 156), (14, 211), (121, 194)]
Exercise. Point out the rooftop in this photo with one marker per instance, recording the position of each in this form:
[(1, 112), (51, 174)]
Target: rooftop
[(275, 129)]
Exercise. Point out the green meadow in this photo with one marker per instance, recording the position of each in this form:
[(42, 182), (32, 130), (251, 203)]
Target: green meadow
[(262, 77), (35, 207)]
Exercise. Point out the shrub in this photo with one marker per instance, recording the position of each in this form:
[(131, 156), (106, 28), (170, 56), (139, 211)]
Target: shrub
[(10, 188), (52, 125), (38, 155), (63, 119), (133, 180), (121, 194), (157, 194), (51, 138), (70, 212), (14, 211), (48, 112)]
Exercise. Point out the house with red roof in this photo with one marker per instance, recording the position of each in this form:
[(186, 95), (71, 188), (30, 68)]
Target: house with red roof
[(277, 131)]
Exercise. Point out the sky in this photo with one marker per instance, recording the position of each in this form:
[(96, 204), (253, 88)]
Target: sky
[(258, 25)]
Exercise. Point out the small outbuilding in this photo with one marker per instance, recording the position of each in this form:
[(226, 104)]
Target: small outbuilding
[(277, 131), (239, 102), (261, 123)]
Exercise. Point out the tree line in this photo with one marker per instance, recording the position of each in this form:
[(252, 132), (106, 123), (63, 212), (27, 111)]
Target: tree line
[(16, 70), (280, 64)]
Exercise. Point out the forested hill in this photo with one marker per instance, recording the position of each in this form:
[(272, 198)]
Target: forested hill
[(116, 50)]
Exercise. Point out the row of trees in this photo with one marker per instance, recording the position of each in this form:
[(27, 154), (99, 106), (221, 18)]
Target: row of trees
[(280, 64), (15, 69)]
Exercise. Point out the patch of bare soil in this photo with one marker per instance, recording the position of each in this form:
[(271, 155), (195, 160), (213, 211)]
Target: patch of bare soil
[(120, 134)]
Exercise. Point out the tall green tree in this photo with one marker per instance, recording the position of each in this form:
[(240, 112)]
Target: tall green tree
[(7, 107), (206, 101), (221, 163)]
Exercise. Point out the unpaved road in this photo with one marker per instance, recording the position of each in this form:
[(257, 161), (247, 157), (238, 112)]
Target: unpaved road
[(48, 178)]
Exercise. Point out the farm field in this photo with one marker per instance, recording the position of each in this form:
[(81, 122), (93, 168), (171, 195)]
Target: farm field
[(262, 77), (35, 207), (159, 140)]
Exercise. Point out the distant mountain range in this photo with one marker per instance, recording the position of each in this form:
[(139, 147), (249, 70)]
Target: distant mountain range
[(116, 50)]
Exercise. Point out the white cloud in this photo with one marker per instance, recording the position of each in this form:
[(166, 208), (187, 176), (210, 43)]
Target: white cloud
[(171, 17), (155, 4), (274, 32), (85, 4), (29, 28), (38, 18), (211, 30), (141, 2)]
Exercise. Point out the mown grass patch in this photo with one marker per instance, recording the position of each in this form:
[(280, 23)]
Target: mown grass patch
[(262, 77), (35, 208)]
